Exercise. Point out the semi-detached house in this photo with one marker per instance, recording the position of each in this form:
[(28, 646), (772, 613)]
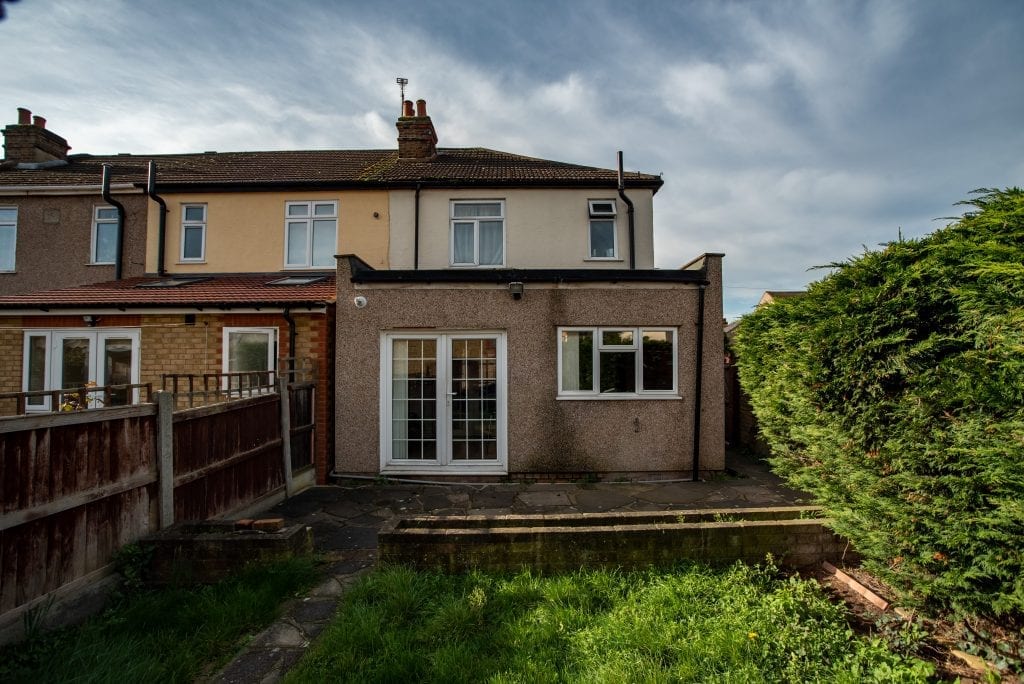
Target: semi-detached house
[(492, 315)]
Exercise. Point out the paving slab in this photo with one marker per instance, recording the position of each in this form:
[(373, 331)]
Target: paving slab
[(312, 610), (498, 498), (600, 500), (347, 509), (677, 493), (259, 665), (280, 634), (545, 498)]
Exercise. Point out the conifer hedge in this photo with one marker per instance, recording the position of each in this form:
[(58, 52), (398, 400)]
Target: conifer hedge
[(894, 392)]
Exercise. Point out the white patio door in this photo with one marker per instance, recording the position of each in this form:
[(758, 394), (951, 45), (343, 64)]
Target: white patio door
[(443, 402), (108, 357)]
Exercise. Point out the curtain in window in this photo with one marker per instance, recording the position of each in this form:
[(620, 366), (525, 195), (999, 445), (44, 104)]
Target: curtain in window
[(491, 240), (577, 361), (463, 247), (399, 399)]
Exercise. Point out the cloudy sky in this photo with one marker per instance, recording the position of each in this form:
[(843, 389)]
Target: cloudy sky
[(790, 134)]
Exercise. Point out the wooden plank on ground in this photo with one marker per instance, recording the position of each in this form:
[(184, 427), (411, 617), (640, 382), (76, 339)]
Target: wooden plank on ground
[(856, 586)]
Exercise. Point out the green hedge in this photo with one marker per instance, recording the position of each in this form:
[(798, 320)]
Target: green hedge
[(894, 392)]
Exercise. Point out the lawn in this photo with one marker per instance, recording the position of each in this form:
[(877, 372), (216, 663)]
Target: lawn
[(692, 624), (170, 635)]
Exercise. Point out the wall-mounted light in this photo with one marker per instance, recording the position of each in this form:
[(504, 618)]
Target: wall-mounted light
[(91, 321), (516, 288)]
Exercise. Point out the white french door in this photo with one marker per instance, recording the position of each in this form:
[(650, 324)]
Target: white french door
[(443, 402), (70, 359)]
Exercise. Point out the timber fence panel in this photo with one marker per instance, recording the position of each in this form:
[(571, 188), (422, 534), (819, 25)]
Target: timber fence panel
[(75, 489), (226, 456)]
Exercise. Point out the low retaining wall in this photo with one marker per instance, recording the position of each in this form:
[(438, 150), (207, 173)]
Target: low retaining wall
[(630, 540), (210, 551)]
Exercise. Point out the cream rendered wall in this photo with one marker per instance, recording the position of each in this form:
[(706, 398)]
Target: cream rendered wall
[(245, 230), (544, 228)]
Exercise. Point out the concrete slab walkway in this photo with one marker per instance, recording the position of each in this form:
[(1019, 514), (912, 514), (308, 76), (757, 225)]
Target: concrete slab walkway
[(346, 518)]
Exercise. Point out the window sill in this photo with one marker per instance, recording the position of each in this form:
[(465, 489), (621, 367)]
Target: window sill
[(101, 263), (189, 262), (618, 397), (433, 468), (604, 259), (479, 266)]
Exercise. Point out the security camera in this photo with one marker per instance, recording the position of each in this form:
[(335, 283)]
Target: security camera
[(359, 301)]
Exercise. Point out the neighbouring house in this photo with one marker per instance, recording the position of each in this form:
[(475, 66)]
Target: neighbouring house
[(56, 229), (521, 329)]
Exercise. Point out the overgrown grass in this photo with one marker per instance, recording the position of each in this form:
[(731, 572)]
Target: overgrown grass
[(694, 624), (169, 635)]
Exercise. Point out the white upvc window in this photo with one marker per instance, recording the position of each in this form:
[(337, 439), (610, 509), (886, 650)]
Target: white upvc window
[(617, 363), (252, 351), (310, 234), (477, 233), (71, 358), (104, 236), (8, 237), (193, 232), (602, 237)]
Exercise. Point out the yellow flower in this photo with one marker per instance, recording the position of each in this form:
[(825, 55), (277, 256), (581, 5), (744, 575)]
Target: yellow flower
[(752, 635)]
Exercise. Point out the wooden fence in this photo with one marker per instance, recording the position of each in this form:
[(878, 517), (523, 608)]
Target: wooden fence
[(76, 486)]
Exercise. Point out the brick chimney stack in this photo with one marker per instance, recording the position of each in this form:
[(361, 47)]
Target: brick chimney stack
[(28, 141), (417, 138)]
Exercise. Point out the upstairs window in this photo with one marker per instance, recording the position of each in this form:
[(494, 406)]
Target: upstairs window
[(104, 235), (193, 232), (311, 234), (616, 362), (8, 237), (602, 237), (478, 233)]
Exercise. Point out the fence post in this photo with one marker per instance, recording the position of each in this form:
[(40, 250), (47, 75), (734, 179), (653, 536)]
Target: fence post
[(286, 434), (165, 456)]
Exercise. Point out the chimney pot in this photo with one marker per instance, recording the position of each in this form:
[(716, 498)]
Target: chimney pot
[(24, 116), (39, 121), (407, 108), (421, 107)]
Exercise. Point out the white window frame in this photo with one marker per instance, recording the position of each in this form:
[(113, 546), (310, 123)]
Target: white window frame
[(308, 219), (55, 336), (272, 348), (13, 226), (475, 220), (636, 346), (443, 463), (596, 214), (94, 244), (185, 223)]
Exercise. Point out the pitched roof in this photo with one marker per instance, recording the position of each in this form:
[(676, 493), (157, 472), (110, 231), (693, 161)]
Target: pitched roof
[(194, 291), (344, 168)]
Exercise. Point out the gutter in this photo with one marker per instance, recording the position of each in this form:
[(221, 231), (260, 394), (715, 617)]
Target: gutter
[(629, 211), (105, 189), (18, 190), (162, 223)]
